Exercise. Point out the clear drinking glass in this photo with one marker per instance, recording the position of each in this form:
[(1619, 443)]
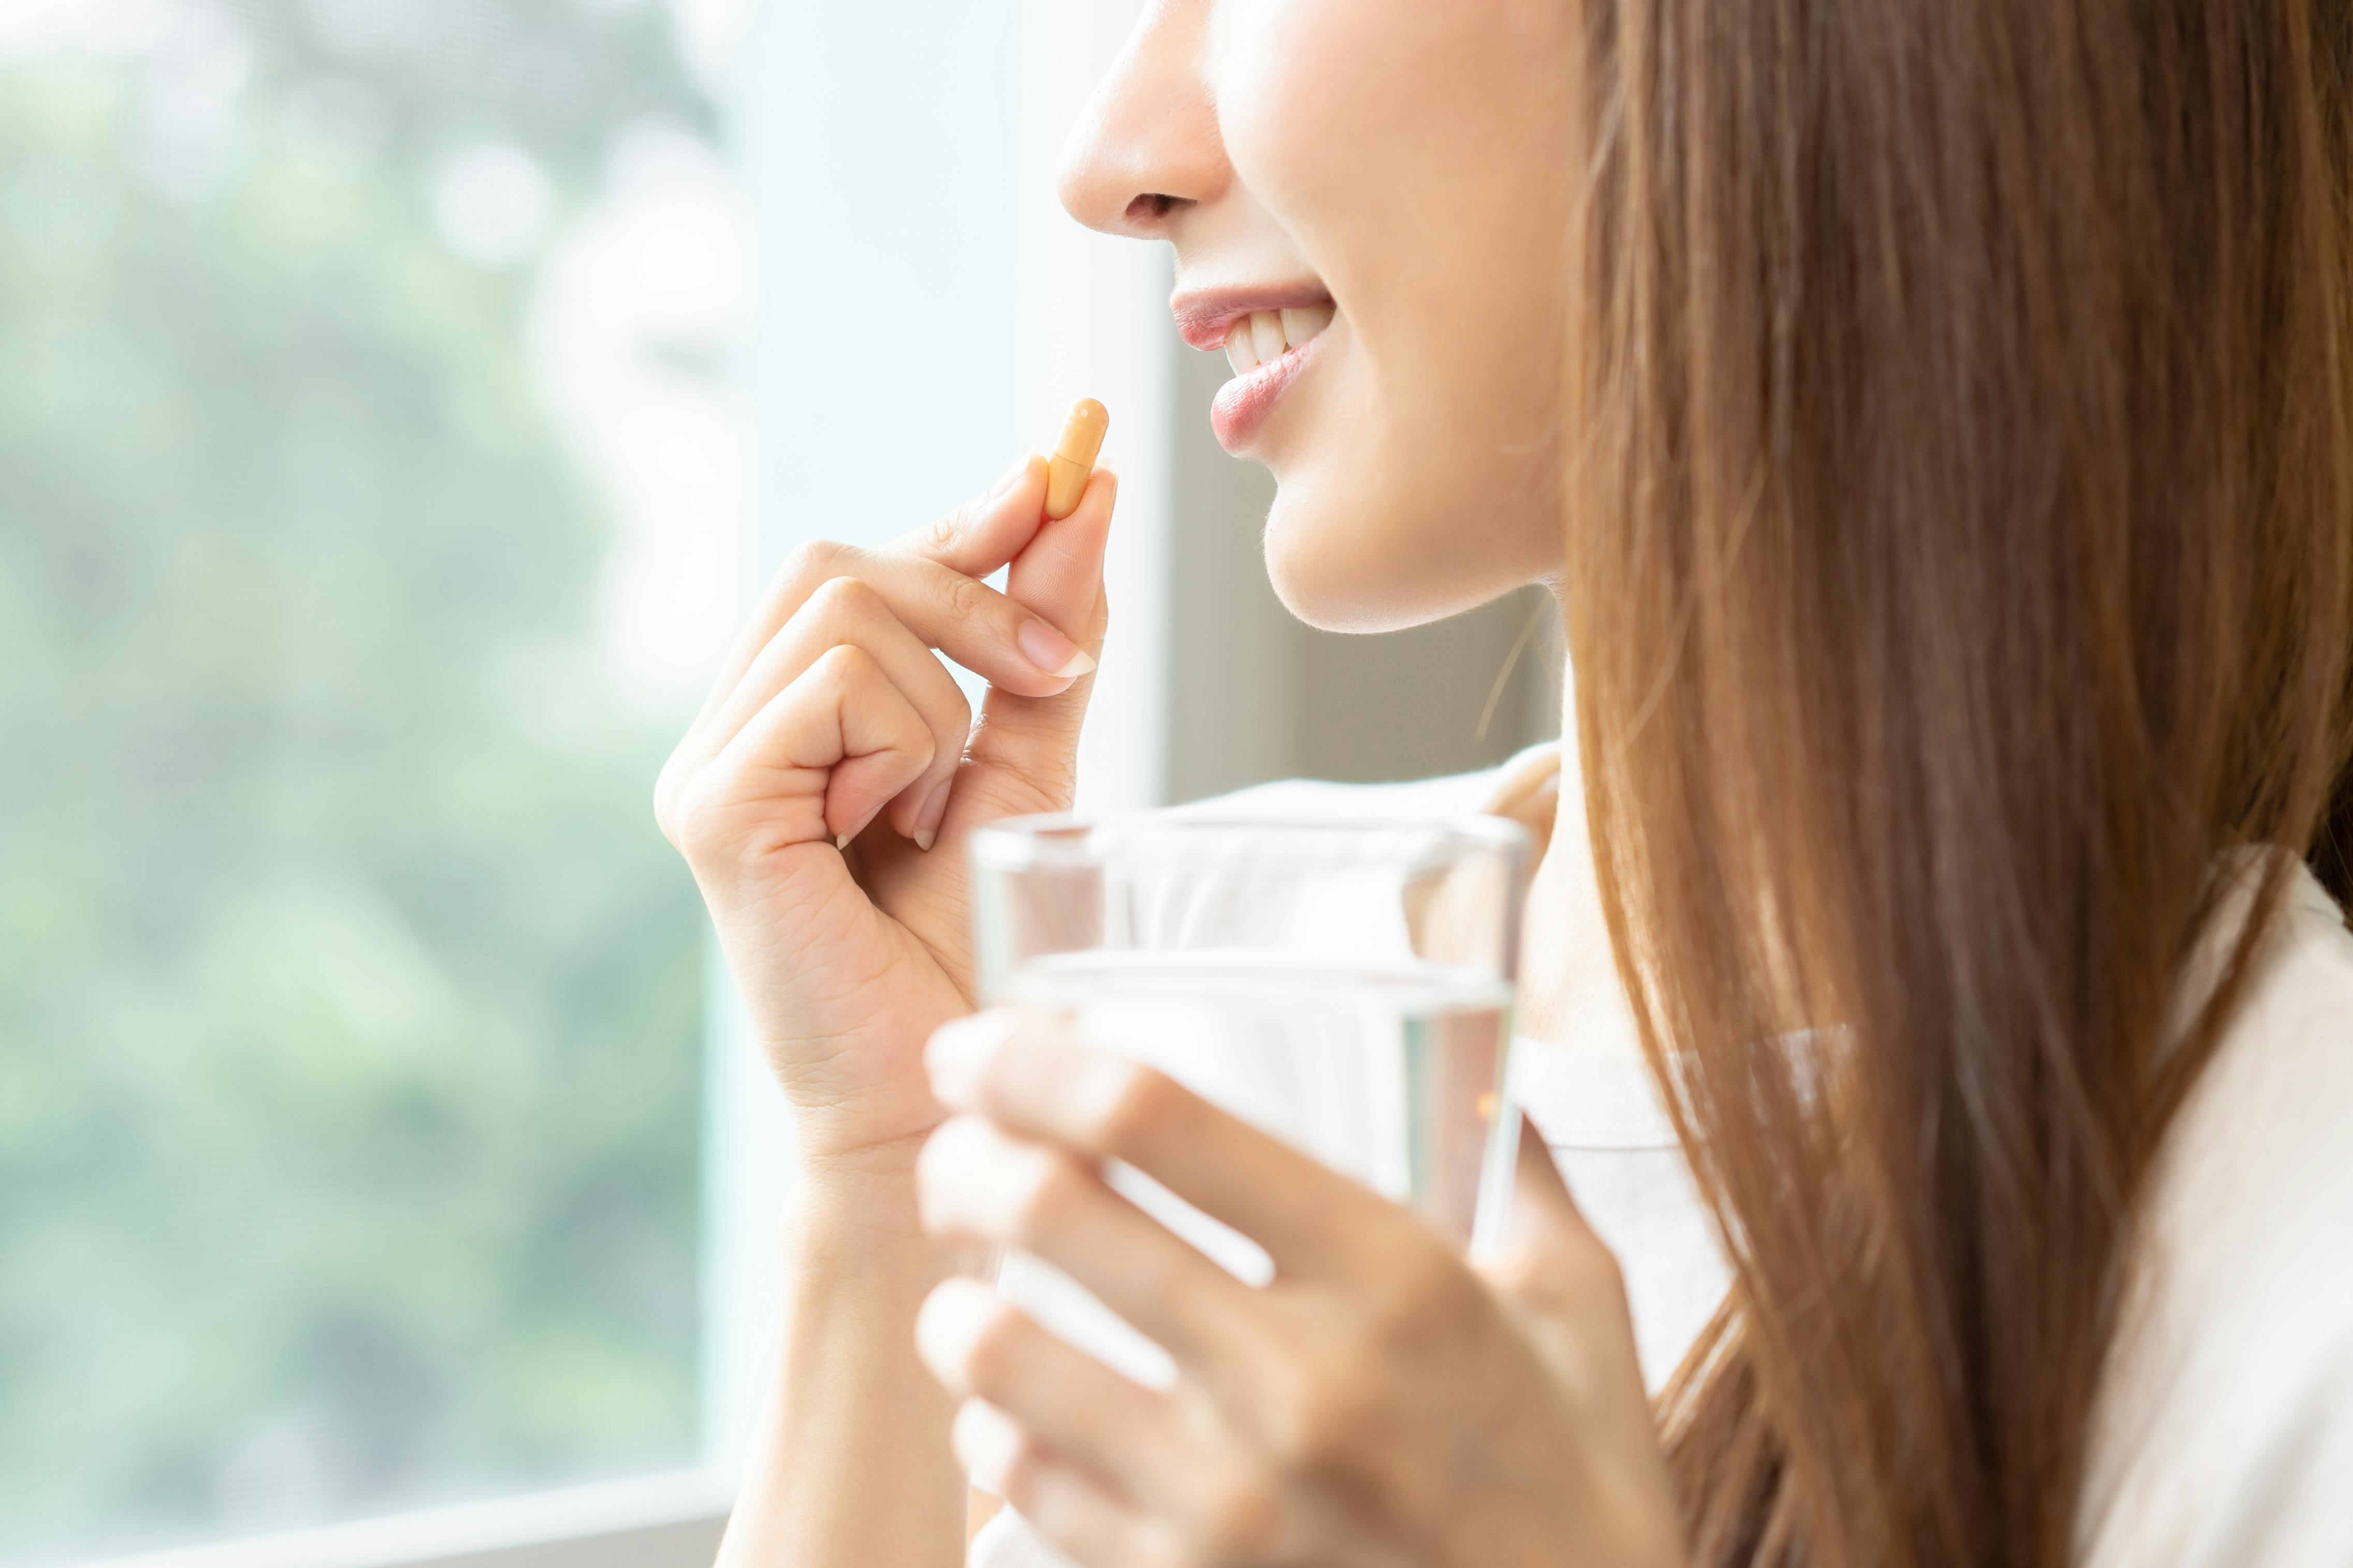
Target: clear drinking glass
[(1345, 986)]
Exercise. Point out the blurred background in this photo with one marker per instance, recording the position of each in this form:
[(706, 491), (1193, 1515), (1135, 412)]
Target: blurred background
[(398, 401)]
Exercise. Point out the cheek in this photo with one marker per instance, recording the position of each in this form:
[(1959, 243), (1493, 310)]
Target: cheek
[(1420, 130), (1325, 105), (1416, 154)]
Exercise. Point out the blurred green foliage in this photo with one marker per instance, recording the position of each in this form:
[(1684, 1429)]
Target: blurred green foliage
[(349, 1003)]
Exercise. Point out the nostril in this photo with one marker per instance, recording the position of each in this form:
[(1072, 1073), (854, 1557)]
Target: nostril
[(1149, 207)]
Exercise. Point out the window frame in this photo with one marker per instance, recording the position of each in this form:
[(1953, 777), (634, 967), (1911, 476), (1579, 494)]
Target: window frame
[(675, 1517)]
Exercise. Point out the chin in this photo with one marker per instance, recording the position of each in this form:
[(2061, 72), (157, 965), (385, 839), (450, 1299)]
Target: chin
[(1341, 563), (1322, 570)]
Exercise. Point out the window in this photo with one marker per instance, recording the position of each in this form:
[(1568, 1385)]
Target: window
[(379, 1160), (369, 503)]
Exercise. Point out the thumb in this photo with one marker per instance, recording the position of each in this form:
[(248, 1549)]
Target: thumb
[(1024, 754), (1059, 571)]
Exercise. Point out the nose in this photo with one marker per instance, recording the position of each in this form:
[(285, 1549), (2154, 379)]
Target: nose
[(1146, 147)]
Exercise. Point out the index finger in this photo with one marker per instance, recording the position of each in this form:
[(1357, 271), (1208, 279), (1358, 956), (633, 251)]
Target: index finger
[(988, 530), (1038, 1081), (966, 542)]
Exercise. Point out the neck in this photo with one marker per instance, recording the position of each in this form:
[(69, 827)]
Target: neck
[(1569, 994)]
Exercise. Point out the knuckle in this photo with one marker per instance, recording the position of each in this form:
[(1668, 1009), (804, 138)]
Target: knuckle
[(1328, 1415), (1191, 1297), (1131, 1104), (992, 1361), (1051, 1198), (698, 825), (812, 561), (944, 532), (962, 597), (843, 600), (1021, 1479), (1428, 1297), (1244, 1521), (842, 665)]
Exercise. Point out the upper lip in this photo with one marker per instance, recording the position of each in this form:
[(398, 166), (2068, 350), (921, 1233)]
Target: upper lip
[(1204, 316)]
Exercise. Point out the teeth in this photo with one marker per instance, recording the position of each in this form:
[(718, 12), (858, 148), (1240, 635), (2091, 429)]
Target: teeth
[(1266, 335), (1241, 352), (1301, 328)]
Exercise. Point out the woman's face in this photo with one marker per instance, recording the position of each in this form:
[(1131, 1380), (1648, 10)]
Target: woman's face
[(1373, 196)]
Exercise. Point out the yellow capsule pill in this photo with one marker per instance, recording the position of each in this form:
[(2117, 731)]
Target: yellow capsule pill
[(1074, 457)]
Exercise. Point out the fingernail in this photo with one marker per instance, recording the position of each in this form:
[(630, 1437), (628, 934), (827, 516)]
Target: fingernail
[(1011, 476), (1052, 652), (958, 1057), (935, 810), (841, 840), (988, 1442)]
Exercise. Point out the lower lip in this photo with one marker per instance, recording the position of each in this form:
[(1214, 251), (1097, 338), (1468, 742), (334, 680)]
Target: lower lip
[(1244, 402)]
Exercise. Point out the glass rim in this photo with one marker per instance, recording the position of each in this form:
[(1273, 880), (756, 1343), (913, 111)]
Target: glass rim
[(1072, 840)]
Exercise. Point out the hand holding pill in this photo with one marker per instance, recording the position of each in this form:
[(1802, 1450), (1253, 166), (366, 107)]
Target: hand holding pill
[(834, 752)]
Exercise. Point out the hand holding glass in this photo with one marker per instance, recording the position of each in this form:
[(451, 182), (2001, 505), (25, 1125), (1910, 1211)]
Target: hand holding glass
[(1347, 987)]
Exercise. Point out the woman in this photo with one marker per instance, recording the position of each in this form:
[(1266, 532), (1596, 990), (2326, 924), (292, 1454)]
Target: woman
[(1938, 422)]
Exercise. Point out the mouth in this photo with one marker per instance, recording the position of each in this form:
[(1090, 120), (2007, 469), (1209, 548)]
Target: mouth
[(1267, 336)]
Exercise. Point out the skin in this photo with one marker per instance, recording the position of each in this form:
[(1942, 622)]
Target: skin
[(1382, 1401), (1408, 160)]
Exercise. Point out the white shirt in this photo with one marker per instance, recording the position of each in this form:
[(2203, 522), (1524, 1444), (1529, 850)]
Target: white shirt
[(2224, 1436), (2225, 1432)]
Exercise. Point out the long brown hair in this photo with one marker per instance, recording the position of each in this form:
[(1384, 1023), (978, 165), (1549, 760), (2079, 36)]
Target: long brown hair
[(1960, 511)]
